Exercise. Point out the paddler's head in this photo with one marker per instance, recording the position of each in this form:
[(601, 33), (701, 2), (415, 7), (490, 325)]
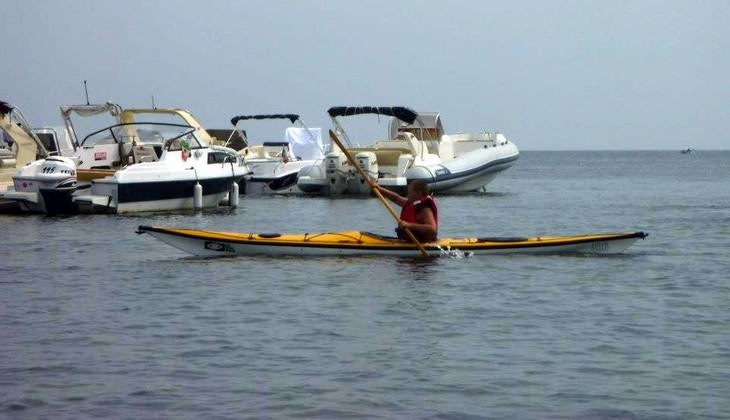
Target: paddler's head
[(417, 189)]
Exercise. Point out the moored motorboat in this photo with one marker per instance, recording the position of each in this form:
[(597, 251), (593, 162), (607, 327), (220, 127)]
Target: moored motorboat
[(46, 185), (274, 165), (59, 184), (187, 174), (19, 146), (216, 244), (417, 149)]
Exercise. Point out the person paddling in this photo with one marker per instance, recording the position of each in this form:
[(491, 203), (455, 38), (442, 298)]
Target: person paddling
[(419, 213)]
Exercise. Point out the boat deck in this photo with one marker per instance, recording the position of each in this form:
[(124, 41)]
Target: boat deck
[(4, 185)]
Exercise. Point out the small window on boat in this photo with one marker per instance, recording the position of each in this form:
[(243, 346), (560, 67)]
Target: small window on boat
[(48, 140), (188, 140), (219, 157)]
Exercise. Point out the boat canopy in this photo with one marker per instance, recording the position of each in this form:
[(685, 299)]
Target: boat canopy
[(290, 117), (87, 110), (402, 113), (90, 110), (15, 126), (144, 133), (428, 127), (5, 107)]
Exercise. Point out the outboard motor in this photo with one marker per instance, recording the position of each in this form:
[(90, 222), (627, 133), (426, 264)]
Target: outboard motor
[(335, 175), (368, 161), (52, 172)]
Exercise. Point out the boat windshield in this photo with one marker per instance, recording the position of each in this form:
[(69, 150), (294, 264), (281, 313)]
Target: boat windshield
[(144, 133)]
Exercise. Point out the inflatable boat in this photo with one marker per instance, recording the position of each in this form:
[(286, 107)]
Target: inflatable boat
[(206, 243), (417, 148)]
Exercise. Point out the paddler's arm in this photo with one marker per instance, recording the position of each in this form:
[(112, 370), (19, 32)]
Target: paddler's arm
[(426, 223), (392, 196)]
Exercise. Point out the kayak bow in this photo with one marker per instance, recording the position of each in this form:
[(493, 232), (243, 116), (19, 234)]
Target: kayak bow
[(212, 243)]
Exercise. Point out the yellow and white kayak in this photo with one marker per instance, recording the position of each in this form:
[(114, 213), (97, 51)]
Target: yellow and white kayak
[(211, 243)]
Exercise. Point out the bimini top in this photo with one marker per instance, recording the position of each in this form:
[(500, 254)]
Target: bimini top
[(290, 117), (90, 110), (402, 113), (5, 107)]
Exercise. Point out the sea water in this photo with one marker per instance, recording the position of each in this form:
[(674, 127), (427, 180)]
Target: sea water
[(99, 322)]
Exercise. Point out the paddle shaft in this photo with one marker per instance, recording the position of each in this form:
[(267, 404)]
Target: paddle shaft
[(374, 187)]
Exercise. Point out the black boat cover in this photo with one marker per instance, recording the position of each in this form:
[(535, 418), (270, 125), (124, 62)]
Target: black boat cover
[(402, 113), (290, 117), (5, 107)]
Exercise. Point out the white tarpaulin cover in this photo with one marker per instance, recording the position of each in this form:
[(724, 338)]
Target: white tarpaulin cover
[(304, 143)]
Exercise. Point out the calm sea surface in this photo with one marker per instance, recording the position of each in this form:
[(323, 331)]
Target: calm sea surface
[(98, 322)]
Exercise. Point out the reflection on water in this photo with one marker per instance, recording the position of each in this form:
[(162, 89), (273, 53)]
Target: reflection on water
[(418, 268)]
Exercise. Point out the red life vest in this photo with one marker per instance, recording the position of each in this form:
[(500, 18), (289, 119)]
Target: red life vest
[(412, 207)]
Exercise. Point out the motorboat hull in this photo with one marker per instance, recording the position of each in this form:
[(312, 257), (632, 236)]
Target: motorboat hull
[(44, 198), (273, 176), (218, 244), (51, 201), (471, 172), (267, 186), (313, 186), (111, 196), (472, 168)]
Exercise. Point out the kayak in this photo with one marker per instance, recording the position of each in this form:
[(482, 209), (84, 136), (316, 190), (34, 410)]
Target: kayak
[(207, 243)]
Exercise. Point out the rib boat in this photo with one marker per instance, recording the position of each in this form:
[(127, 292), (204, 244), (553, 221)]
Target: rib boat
[(207, 243), (417, 148)]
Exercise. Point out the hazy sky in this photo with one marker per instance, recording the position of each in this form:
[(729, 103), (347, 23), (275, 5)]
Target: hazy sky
[(548, 74)]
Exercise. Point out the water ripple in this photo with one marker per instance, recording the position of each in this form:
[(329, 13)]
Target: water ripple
[(132, 328)]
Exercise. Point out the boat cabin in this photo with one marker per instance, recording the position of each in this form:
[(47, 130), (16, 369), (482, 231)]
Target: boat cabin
[(128, 143)]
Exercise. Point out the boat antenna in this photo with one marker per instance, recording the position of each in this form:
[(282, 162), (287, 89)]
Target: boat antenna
[(86, 90)]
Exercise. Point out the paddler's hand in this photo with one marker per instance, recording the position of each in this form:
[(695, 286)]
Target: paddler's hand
[(404, 225)]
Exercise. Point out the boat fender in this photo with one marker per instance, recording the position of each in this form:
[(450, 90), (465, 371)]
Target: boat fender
[(233, 195), (198, 196)]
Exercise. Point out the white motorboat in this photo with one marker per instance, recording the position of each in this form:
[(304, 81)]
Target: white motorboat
[(274, 165), (19, 145), (187, 174), (417, 148), (47, 185)]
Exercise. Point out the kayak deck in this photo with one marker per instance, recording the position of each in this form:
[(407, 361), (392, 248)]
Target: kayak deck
[(211, 243)]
